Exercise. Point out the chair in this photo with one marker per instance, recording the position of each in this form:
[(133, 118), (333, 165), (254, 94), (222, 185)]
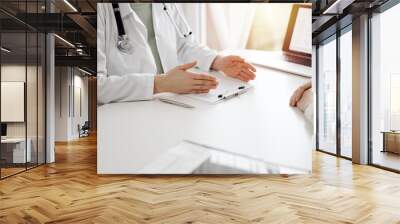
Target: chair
[(84, 130)]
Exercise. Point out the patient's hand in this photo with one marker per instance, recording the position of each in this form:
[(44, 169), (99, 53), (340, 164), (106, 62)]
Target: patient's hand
[(299, 94), (234, 66), (305, 100)]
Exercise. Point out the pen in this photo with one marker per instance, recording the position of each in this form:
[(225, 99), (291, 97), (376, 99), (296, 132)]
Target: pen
[(176, 103), (230, 96), (241, 91), (242, 88)]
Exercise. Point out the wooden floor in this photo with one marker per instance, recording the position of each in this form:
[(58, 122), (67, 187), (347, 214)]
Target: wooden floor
[(69, 191), (387, 159), (5, 172)]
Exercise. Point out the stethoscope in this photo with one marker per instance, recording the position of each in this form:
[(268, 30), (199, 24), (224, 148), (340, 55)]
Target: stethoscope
[(123, 43)]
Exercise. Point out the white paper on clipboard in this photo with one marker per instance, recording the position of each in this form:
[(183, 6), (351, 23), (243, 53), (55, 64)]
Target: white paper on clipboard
[(227, 87)]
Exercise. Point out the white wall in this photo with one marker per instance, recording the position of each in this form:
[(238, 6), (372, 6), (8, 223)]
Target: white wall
[(12, 100), (15, 72), (67, 115), (80, 83), (62, 81)]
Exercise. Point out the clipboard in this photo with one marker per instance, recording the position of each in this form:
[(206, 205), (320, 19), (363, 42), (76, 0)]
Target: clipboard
[(227, 88)]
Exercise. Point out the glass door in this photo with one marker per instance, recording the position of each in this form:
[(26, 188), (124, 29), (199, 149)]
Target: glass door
[(14, 154), (22, 101)]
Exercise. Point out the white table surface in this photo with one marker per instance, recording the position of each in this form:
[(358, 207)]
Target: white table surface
[(259, 123)]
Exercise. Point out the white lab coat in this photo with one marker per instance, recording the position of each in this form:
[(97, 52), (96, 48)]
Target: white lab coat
[(130, 77)]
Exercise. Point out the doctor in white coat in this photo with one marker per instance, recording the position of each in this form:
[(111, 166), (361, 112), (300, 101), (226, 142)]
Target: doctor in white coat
[(161, 50)]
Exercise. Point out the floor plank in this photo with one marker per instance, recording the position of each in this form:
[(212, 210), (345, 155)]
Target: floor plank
[(70, 191)]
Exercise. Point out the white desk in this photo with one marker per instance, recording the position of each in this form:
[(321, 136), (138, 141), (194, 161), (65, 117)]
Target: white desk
[(18, 149), (260, 124)]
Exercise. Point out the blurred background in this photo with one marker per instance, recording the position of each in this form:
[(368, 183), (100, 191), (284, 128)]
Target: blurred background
[(239, 25)]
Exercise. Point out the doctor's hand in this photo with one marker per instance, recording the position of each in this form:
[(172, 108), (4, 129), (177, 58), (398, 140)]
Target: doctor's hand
[(234, 66), (178, 80)]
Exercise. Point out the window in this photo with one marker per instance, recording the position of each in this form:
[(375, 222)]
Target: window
[(331, 136), (346, 93), (327, 96), (385, 89)]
